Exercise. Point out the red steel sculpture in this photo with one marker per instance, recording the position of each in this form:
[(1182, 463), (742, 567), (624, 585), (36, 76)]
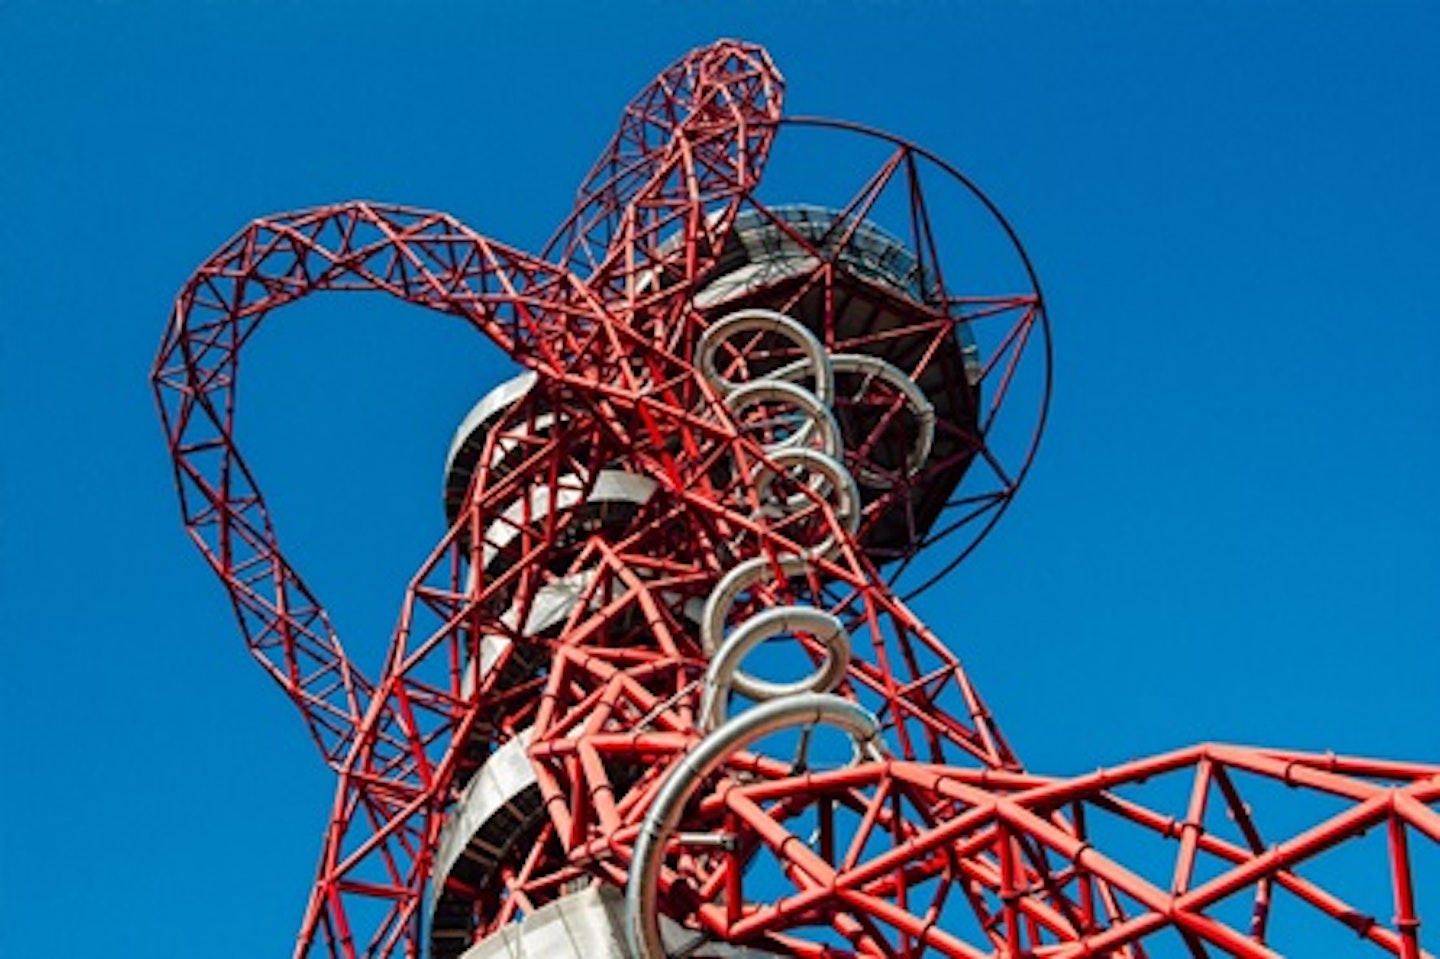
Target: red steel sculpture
[(738, 424)]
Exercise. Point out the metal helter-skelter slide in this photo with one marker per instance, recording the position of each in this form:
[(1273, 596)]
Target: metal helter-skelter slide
[(739, 422)]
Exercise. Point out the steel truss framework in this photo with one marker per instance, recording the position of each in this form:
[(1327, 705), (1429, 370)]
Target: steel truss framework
[(937, 842)]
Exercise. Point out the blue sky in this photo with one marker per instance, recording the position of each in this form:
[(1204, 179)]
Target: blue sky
[(1230, 534)]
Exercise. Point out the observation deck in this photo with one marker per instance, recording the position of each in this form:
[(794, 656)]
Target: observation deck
[(864, 294)]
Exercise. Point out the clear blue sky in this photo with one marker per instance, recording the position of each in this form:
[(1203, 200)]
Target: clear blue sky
[(1231, 532)]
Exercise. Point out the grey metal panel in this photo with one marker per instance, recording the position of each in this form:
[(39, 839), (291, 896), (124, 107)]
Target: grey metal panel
[(552, 603), (869, 252), (574, 927), (753, 276), (469, 436), (490, 405), (490, 811), (611, 486)]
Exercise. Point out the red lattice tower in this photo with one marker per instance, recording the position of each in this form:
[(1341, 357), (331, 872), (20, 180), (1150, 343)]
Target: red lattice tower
[(739, 422)]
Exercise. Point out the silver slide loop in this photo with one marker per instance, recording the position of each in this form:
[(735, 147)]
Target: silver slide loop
[(817, 416), (807, 701), (642, 925), (873, 366), (725, 674), (829, 479), (732, 584), (762, 321)]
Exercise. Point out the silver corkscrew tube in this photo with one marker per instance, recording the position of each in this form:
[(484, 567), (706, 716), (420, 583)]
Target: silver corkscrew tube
[(813, 447)]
